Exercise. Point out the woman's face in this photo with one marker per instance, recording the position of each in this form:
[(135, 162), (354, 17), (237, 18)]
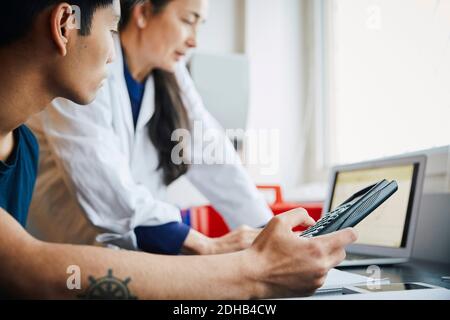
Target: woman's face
[(169, 34)]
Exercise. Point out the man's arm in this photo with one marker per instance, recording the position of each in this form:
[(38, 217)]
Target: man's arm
[(33, 269), (278, 264)]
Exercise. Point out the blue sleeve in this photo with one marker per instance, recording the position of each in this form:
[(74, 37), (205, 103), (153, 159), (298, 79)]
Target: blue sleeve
[(164, 239)]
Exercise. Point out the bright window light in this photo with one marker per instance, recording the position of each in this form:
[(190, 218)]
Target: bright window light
[(389, 77)]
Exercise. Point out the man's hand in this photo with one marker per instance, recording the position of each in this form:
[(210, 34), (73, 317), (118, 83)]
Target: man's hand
[(288, 265)]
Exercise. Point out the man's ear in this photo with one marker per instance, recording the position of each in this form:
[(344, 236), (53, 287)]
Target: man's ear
[(63, 23)]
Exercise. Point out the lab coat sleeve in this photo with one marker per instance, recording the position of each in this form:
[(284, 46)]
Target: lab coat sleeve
[(227, 186), (164, 239), (87, 151)]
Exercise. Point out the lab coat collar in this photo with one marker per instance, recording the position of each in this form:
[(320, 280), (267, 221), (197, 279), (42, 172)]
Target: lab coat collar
[(148, 103)]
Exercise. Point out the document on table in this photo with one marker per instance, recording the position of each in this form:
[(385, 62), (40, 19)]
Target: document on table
[(337, 279), (420, 294)]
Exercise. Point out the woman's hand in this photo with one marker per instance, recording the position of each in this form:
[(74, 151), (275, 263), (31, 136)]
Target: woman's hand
[(239, 239)]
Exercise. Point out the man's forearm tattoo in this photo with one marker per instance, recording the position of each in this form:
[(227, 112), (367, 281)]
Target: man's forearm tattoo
[(108, 288)]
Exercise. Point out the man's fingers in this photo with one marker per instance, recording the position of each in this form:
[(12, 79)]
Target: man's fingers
[(338, 240), (336, 257), (309, 222), (296, 217)]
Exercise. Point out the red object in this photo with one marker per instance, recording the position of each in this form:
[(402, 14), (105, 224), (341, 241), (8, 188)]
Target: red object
[(209, 222)]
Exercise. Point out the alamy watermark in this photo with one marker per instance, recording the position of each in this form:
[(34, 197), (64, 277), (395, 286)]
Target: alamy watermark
[(374, 18), (74, 279), (74, 22), (203, 145), (374, 281)]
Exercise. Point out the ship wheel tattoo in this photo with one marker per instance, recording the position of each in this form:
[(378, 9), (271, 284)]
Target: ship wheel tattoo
[(108, 288)]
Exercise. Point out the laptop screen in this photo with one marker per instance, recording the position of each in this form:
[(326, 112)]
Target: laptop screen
[(388, 225)]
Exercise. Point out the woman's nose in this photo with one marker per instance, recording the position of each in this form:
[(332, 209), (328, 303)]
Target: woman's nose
[(192, 42), (192, 39)]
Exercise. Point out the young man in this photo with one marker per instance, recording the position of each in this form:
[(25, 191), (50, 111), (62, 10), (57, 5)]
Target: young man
[(42, 56)]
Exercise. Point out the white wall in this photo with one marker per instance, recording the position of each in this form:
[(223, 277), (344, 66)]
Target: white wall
[(223, 31), (270, 33), (274, 44)]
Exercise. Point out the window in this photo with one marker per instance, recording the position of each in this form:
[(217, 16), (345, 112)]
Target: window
[(387, 77)]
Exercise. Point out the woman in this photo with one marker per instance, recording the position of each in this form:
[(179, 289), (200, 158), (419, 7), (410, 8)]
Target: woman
[(105, 169)]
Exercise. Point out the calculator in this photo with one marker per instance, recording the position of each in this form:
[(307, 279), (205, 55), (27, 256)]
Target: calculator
[(354, 209)]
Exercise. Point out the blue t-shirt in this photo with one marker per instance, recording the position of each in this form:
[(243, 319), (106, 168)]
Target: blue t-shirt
[(18, 175)]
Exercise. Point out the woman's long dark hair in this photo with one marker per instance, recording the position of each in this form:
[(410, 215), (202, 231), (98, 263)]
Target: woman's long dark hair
[(170, 113)]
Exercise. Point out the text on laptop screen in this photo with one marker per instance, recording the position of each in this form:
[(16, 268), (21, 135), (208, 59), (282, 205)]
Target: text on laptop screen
[(387, 225)]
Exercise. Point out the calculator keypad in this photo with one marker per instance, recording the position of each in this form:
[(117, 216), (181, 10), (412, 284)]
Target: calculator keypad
[(325, 220)]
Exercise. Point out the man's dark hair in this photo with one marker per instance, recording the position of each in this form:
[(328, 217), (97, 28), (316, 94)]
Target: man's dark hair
[(17, 16)]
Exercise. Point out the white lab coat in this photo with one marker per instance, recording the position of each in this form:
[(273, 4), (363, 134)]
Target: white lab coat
[(98, 177)]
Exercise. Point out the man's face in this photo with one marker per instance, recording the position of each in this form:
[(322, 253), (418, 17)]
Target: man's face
[(87, 57)]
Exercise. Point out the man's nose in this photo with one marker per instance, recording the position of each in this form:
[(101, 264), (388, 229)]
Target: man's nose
[(111, 56)]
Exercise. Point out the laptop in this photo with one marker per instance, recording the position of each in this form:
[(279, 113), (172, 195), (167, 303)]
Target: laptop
[(386, 236)]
